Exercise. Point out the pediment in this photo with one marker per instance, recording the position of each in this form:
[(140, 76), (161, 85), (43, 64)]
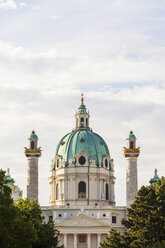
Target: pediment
[(82, 220)]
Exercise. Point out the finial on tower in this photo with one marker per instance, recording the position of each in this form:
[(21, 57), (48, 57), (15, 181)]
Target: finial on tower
[(82, 98), (156, 172)]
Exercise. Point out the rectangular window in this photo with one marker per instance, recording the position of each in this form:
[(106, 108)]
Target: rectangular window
[(113, 219), (50, 217)]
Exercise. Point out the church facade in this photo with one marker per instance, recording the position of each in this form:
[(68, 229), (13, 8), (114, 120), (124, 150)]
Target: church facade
[(82, 184)]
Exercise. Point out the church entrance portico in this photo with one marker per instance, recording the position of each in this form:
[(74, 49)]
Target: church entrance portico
[(75, 240), (82, 232)]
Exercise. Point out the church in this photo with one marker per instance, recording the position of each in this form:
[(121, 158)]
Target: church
[(82, 184)]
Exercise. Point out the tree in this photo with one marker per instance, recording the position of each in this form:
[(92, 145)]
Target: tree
[(157, 245), (12, 223), (22, 224), (47, 235), (145, 224), (114, 240)]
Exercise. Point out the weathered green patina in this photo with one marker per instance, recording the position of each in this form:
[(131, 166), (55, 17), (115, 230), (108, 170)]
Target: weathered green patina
[(9, 181), (82, 141)]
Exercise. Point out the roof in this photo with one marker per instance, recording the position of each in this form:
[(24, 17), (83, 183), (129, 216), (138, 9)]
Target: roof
[(33, 135), (131, 135), (82, 141), (9, 180)]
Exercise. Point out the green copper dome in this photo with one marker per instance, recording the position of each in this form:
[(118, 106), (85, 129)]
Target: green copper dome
[(9, 180), (82, 140)]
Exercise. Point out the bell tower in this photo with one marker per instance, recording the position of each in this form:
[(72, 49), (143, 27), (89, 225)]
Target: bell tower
[(32, 153), (131, 153)]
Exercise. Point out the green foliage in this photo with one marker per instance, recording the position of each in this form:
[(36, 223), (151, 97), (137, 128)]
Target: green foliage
[(22, 225), (114, 240), (145, 224), (12, 223), (47, 235), (157, 245)]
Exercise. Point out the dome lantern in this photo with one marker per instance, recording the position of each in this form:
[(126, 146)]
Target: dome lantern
[(82, 116)]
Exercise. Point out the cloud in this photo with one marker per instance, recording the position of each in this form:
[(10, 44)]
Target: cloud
[(162, 18), (23, 4), (8, 4), (68, 69), (36, 7), (56, 18)]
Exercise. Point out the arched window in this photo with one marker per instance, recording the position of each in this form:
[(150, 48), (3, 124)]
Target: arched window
[(82, 122), (82, 190), (107, 191), (32, 144), (58, 163), (87, 122), (57, 191), (106, 162), (131, 144)]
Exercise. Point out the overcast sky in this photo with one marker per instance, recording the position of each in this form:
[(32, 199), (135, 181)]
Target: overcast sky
[(113, 51)]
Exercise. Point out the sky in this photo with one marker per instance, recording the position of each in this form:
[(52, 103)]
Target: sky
[(113, 51)]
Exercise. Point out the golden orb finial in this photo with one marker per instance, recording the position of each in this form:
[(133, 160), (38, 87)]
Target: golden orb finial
[(82, 98)]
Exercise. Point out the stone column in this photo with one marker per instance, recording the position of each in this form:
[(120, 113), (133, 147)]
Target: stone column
[(131, 180), (65, 240), (75, 240), (98, 240), (88, 240), (32, 177)]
